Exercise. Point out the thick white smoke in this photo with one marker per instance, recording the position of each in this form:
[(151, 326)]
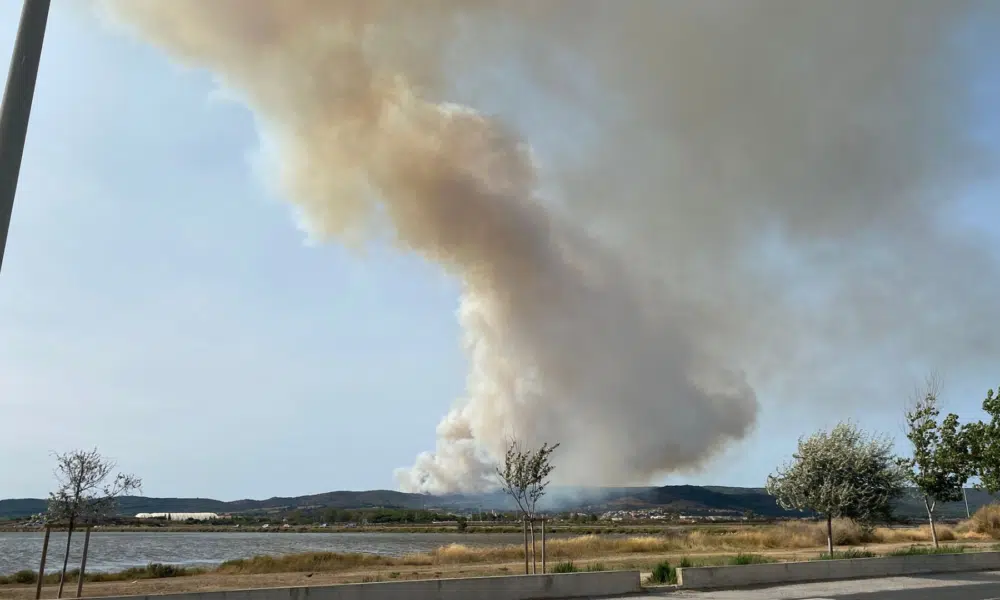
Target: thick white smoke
[(621, 317)]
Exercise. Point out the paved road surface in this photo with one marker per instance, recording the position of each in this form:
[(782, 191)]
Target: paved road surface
[(957, 586)]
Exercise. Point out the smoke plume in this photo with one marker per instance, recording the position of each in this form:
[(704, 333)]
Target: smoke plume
[(736, 193)]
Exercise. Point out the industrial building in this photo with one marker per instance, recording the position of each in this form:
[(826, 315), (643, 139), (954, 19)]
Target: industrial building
[(204, 516)]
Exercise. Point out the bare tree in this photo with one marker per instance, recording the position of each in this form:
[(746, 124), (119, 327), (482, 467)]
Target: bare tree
[(524, 477), (85, 497)]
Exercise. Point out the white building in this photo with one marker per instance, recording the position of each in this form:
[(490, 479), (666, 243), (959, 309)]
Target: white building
[(179, 516)]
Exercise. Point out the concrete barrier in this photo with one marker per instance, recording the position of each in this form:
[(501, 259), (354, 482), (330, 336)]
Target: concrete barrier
[(515, 587), (830, 570)]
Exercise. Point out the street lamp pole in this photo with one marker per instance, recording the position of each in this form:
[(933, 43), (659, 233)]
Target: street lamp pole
[(16, 107)]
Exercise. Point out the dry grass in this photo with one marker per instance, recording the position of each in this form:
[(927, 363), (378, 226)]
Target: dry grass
[(796, 535), (796, 540), (984, 522)]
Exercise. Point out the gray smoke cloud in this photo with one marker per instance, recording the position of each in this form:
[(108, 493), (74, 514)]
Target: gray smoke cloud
[(752, 190)]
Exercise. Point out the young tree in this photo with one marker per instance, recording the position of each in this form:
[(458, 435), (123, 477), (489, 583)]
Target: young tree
[(941, 463), (843, 473), (85, 497), (524, 477), (984, 445)]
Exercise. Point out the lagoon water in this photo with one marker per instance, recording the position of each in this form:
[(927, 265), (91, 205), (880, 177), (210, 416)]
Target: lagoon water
[(116, 551)]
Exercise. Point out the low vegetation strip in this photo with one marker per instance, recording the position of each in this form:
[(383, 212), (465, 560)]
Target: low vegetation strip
[(150, 571), (707, 547)]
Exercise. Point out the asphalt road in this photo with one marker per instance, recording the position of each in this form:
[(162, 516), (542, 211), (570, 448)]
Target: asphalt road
[(957, 586)]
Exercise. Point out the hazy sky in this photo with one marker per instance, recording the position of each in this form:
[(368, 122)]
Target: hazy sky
[(158, 303)]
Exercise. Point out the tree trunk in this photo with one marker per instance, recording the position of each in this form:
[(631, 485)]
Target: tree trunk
[(41, 567), (829, 534), (534, 564), (62, 575), (929, 505), (83, 564), (524, 526)]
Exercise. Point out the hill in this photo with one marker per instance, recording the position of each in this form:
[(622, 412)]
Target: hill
[(687, 499)]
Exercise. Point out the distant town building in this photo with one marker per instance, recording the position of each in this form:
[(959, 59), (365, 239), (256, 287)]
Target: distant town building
[(204, 516)]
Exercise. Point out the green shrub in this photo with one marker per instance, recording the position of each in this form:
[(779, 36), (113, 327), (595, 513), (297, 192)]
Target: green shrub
[(849, 553), (565, 567), (25, 576), (749, 559), (663, 573), (596, 568)]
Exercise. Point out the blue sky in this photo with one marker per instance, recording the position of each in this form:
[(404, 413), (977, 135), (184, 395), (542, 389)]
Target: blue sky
[(158, 303)]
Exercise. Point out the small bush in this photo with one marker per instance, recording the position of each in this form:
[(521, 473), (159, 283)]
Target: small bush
[(749, 559), (596, 568), (25, 576), (663, 573), (986, 521), (685, 563), (565, 567), (846, 554), (158, 571)]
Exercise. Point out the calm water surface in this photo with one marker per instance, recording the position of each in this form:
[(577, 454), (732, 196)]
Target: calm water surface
[(117, 551)]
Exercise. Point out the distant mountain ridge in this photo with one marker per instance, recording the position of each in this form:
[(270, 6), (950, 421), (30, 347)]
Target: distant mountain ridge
[(689, 499)]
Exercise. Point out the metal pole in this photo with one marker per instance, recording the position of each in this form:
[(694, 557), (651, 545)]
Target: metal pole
[(16, 107), (968, 515)]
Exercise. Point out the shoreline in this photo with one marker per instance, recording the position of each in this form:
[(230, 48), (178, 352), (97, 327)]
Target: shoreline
[(627, 529)]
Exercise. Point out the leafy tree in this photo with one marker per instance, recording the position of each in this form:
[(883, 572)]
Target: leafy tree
[(843, 473), (524, 477), (984, 445), (941, 463), (85, 496)]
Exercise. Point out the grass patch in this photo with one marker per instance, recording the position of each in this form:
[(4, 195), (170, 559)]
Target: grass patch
[(750, 559), (596, 568), (307, 562), (921, 550), (846, 554), (150, 571), (565, 567)]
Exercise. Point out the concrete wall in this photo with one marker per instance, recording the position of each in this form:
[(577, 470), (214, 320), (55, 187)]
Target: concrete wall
[(517, 587), (830, 570)]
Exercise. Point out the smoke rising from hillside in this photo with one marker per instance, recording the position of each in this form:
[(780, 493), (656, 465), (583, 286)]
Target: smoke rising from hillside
[(754, 189)]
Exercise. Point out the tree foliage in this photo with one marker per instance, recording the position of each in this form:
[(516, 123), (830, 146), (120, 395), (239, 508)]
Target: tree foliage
[(85, 495), (842, 473), (524, 474), (984, 445), (942, 461)]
